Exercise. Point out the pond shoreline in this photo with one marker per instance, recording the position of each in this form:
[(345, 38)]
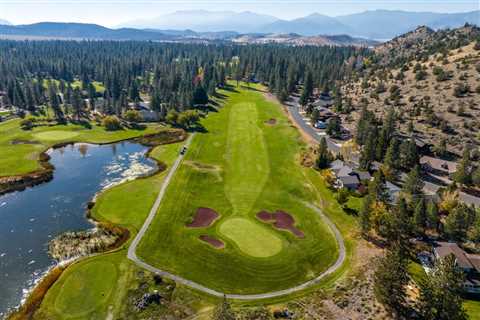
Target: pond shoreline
[(21, 182), (35, 296)]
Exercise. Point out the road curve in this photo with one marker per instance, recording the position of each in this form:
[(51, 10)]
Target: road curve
[(133, 246)]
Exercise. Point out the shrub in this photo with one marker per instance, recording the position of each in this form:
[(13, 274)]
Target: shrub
[(132, 116), (461, 89), (111, 123), (26, 124)]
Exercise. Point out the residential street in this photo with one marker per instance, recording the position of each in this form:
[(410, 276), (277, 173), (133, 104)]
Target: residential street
[(294, 109)]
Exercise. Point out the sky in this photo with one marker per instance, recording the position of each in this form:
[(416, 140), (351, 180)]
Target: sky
[(114, 12)]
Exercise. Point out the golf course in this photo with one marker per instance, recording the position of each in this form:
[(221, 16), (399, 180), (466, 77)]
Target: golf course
[(245, 162)]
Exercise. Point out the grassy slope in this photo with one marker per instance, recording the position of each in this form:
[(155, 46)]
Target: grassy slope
[(22, 158), (89, 287), (255, 169)]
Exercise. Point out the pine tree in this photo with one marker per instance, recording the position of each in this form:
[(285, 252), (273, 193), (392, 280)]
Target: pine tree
[(413, 184), (307, 89), (324, 156), (390, 163), (368, 151), (432, 215), (462, 175), (440, 292), (390, 279), (364, 215), (420, 217)]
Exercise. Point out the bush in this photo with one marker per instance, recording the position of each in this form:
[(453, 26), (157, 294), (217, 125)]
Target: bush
[(26, 124), (461, 90), (132, 116), (111, 123)]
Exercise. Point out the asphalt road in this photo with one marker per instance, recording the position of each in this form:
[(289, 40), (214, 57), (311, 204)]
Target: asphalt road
[(133, 246), (294, 109)]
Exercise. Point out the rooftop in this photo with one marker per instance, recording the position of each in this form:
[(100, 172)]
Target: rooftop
[(464, 260), (439, 164)]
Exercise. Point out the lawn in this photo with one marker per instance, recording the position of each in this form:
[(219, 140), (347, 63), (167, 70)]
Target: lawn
[(20, 149), (252, 166)]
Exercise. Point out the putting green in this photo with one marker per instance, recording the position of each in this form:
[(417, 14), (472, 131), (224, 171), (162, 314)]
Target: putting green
[(89, 287), (251, 238), (55, 135)]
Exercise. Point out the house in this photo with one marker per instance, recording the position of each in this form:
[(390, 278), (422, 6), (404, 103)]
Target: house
[(438, 166), (350, 182), (469, 199), (324, 113), (147, 114), (322, 103), (393, 191), (347, 176), (469, 263), (431, 191)]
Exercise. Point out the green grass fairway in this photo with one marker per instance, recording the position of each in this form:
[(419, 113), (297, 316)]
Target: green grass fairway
[(251, 238), (90, 288), (57, 135), (238, 167)]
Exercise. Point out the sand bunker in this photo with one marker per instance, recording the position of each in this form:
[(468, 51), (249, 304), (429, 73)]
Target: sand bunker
[(271, 121), (216, 243), (21, 141), (204, 217), (281, 220)]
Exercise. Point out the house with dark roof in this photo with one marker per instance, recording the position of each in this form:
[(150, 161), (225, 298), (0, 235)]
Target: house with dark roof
[(348, 176), (469, 263), (438, 166)]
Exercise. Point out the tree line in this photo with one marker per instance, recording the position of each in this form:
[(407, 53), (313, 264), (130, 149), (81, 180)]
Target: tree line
[(63, 75)]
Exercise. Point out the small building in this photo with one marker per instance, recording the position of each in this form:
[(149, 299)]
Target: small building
[(393, 191), (469, 263), (350, 182), (469, 199), (438, 166), (431, 191), (347, 177), (147, 114)]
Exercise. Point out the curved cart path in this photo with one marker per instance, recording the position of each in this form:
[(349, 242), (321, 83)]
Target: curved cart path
[(133, 246)]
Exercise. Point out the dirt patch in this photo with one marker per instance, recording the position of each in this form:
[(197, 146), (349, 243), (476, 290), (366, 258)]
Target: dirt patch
[(216, 243), (281, 220), (22, 141), (204, 217), (271, 122), (163, 137)]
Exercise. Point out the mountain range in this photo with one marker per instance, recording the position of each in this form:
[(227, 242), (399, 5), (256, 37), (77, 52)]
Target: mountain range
[(206, 21), (377, 24), (228, 25), (79, 31)]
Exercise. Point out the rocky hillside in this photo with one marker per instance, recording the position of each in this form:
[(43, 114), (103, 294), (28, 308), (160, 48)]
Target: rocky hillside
[(435, 91), (422, 42), (298, 40)]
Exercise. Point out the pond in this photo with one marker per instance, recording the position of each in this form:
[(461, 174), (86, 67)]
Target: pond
[(31, 218)]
